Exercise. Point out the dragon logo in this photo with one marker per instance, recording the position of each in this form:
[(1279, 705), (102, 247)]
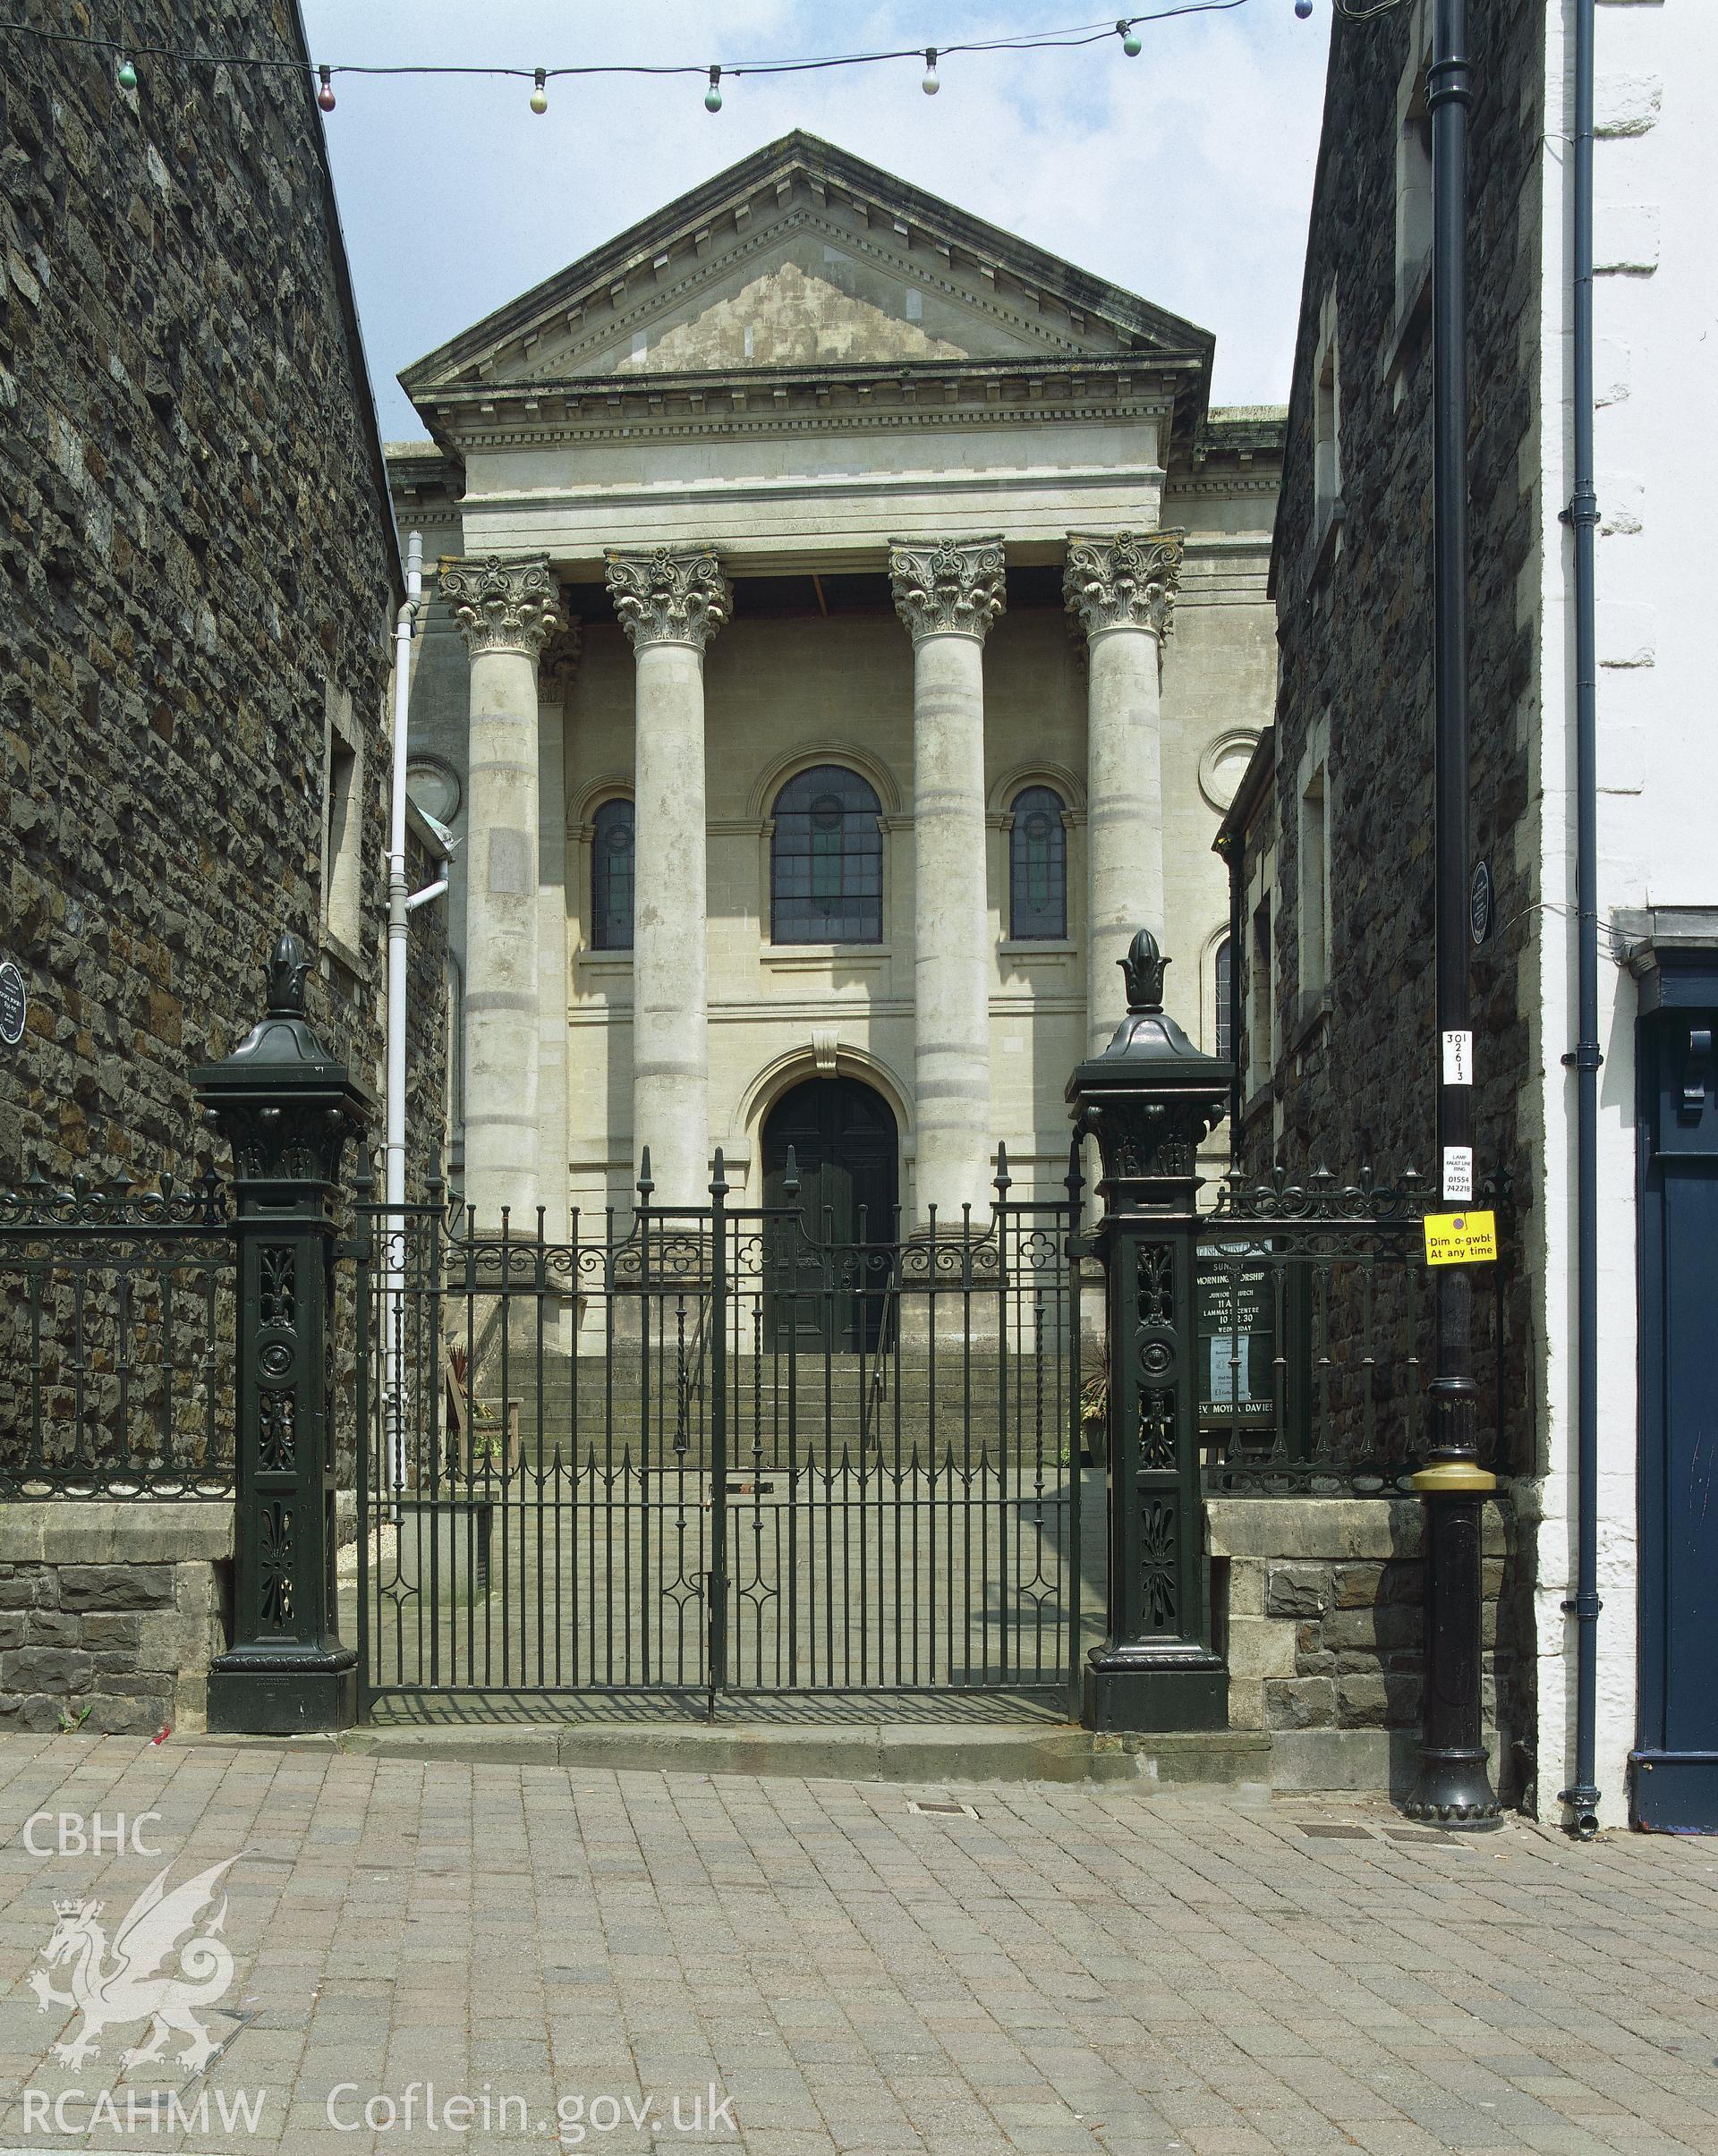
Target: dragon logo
[(131, 1986)]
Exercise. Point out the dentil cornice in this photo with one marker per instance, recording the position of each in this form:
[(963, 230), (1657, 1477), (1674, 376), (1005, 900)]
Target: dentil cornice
[(669, 595), (950, 587)]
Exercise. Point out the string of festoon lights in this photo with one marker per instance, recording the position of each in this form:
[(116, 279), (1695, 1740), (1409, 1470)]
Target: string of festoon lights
[(1125, 28)]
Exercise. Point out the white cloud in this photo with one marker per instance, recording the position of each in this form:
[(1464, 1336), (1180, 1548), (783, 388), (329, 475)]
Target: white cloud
[(1184, 174)]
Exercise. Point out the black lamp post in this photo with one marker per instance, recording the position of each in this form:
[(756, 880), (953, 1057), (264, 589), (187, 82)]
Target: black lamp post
[(1453, 1784)]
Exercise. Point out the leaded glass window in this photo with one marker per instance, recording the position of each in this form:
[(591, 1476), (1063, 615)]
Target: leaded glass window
[(611, 877), (826, 860), (1037, 868), (1221, 985)]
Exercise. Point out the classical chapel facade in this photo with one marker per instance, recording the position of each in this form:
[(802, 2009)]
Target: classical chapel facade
[(850, 626)]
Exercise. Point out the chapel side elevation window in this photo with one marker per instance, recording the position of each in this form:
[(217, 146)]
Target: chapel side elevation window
[(1221, 978), (1037, 868), (611, 877), (826, 860)]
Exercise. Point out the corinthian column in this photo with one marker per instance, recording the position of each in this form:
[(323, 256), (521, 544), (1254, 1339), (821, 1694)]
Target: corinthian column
[(556, 672), (505, 609), (1122, 587), (948, 593), (671, 600)]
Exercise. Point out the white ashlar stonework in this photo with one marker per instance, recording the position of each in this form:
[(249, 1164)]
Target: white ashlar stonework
[(798, 405)]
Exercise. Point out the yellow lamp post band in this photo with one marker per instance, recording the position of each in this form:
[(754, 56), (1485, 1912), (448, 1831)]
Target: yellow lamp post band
[(1454, 1478)]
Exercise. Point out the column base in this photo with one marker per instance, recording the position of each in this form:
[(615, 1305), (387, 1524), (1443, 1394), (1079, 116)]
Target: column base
[(276, 1693), (1147, 1689)]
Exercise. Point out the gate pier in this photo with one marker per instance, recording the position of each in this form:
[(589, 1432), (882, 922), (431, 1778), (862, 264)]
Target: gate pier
[(286, 1107), (1149, 1099)]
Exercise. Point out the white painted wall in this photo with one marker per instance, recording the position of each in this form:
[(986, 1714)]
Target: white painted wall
[(1656, 365)]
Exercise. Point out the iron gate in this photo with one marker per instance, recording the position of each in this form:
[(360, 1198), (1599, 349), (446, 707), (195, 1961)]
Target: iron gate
[(714, 1450)]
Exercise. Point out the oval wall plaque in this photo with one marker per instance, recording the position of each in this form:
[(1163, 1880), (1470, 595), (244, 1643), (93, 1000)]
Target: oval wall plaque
[(1481, 903), (14, 1006)]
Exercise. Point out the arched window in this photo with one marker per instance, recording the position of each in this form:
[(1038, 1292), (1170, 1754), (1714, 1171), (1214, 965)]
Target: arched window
[(1222, 977), (611, 877), (1037, 868), (826, 860)]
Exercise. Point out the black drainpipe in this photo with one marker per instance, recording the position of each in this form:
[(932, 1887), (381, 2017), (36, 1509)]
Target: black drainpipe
[(1582, 516)]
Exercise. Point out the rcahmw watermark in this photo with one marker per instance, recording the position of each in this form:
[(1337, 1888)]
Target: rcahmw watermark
[(143, 2111)]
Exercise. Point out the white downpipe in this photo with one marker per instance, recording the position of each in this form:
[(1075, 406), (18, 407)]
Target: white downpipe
[(398, 906)]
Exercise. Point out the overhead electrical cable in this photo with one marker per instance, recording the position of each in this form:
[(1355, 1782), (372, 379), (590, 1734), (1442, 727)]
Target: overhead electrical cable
[(1070, 37)]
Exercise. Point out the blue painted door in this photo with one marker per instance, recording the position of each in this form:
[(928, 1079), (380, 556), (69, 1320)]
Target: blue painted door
[(1675, 1780)]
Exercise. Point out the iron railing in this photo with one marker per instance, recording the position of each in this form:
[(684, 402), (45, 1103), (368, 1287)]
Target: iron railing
[(1314, 1305), (118, 1339), (705, 1450)]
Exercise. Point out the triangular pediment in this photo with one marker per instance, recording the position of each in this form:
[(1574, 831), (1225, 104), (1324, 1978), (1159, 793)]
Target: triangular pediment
[(801, 257), (791, 315)]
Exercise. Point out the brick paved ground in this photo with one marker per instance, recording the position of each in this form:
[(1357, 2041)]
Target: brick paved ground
[(1074, 1970)]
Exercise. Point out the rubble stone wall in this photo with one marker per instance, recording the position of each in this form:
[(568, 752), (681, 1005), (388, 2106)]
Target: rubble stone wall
[(198, 582)]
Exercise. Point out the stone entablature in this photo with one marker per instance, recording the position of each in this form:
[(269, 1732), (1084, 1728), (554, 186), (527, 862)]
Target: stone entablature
[(936, 393)]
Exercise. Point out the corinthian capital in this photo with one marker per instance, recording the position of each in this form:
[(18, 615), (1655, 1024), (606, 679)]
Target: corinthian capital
[(501, 606), (557, 664), (1123, 579), (950, 587), (669, 595)]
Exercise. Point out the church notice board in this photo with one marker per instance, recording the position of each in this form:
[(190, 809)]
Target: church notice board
[(1237, 1337), (1460, 1238)]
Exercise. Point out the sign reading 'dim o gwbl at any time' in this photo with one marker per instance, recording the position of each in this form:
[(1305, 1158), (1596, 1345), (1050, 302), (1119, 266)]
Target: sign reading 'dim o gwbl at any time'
[(1237, 1337), (1460, 1238)]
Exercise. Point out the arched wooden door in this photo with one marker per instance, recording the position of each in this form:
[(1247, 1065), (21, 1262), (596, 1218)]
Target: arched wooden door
[(847, 1149)]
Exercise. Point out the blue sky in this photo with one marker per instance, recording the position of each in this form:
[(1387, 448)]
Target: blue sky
[(1184, 174)]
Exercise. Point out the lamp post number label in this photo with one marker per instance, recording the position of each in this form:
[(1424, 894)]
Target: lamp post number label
[(1458, 1174), (1459, 1058), (14, 1005)]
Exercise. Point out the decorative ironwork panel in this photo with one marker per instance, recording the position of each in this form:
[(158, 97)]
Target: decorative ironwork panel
[(1313, 1335), (662, 1456), (118, 1339), (1159, 1563)]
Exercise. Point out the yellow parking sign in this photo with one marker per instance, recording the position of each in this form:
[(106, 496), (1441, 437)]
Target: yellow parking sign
[(1460, 1238)]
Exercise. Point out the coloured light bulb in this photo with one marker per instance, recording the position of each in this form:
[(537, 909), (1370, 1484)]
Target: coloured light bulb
[(713, 95), (1129, 37), (325, 94)]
